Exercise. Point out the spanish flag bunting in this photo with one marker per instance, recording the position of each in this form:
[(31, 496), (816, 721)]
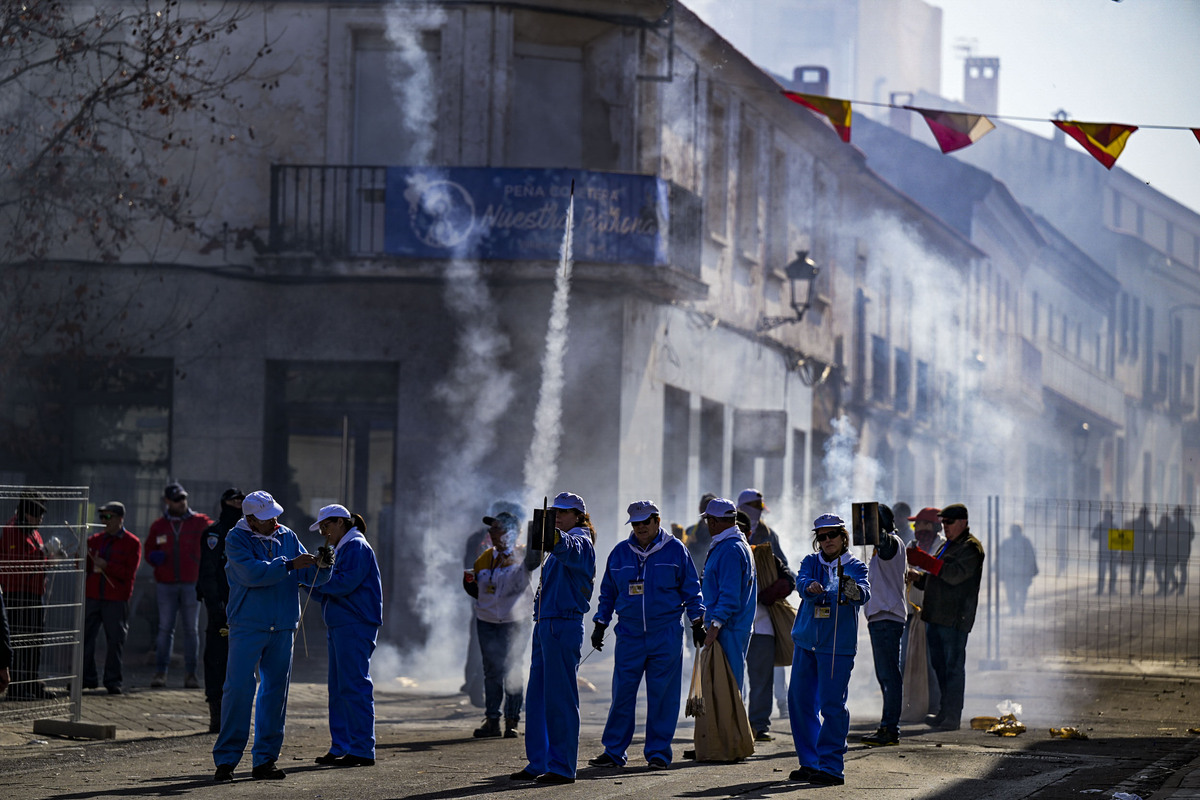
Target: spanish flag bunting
[(1104, 140), (1196, 133), (838, 111), (952, 130)]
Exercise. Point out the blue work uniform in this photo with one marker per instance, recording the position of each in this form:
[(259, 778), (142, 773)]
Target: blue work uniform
[(649, 589), (552, 699), (730, 592), (263, 611), (826, 638), (352, 607)]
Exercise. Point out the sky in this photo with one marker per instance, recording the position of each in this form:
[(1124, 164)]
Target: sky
[(1133, 62)]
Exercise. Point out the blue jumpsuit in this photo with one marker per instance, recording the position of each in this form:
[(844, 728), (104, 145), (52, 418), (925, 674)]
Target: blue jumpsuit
[(826, 638), (263, 611), (730, 593), (552, 698), (352, 606), (649, 589)]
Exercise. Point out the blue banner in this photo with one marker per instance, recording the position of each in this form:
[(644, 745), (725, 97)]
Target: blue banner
[(520, 214)]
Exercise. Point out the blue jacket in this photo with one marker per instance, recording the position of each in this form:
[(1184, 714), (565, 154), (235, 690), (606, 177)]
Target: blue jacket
[(664, 584), (729, 588), (820, 615), (354, 591), (568, 578), (263, 594)]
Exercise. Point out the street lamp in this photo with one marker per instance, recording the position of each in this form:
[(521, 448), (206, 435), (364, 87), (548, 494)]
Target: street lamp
[(1081, 440), (801, 274)]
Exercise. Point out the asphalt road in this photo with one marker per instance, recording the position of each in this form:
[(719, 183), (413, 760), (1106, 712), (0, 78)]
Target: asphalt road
[(1136, 722)]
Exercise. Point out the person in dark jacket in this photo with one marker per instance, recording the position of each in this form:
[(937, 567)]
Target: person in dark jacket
[(5, 646), (113, 556), (951, 585), (24, 586), (212, 589)]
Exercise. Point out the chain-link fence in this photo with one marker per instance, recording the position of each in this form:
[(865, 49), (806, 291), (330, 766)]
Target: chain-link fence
[(43, 547), (1088, 581)]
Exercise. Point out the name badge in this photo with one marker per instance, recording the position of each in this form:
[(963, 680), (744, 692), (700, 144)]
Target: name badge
[(637, 587), (489, 588), (821, 612), (161, 539)]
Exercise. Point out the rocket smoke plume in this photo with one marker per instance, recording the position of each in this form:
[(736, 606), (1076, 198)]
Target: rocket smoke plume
[(541, 463), (850, 475), (476, 361)]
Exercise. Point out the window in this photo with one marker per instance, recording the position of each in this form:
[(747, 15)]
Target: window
[(545, 116), (712, 446), (747, 188), (924, 391), (676, 430), (903, 379), (879, 369), (395, 100), (716, 190)]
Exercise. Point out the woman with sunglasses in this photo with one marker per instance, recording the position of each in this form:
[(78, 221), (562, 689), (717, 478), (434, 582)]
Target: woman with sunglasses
[(833, 585)]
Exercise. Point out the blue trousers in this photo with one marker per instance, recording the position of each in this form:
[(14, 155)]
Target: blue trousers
[(269, 654), (552, 698), (735, 644), (177, 599), (885, 648), (658, 656), (948, 657), (502, 645), (817, 709), (351, 693)]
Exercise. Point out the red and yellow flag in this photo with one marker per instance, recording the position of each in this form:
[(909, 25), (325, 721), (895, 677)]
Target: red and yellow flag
[(1104, 140), (838, 111), (953, 130)]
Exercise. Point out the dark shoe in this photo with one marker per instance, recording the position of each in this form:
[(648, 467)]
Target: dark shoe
[(948, 725), (91, 685), (159, 680), (763, 736), (657, 763), (802, 774), (604, 760), (224, 772), (523, 775), (327, 760), (114, 690), (510, 727), (355, 761), (191, 682), (933, 720), (267, 772), (554, 778), (214, 717), (881, 738), (826, 779), (489, 729), (690, 755)]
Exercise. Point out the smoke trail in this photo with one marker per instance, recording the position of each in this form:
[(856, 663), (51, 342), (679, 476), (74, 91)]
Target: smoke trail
[(541, 463), (412, 75), (850, 475)]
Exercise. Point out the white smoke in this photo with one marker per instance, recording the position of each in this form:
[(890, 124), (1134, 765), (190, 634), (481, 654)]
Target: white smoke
[(850, 476), (541, 463)]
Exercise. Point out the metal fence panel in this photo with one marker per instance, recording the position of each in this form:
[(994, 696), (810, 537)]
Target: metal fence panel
[(45, 602)]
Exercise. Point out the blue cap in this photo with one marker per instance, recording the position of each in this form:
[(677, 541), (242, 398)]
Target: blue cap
[(640, 510), (721, 509), (566, 500), (828, 521)]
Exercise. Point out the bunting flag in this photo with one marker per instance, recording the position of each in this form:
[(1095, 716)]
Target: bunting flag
[(955, 131), (838, 111), (1196, 133), (1104, 140)]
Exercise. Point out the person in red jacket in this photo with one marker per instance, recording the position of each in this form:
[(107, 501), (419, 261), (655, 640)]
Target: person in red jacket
[(113, 558), (173, 547), (23, 588)]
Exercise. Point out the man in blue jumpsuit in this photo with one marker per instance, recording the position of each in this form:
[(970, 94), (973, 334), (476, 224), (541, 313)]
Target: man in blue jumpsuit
[(552, 697), (649, 580), (265, 565), (729, 587)]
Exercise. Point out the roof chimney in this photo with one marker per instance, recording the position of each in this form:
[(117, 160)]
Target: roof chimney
[(811, 80), (981, 84), (900, 119)]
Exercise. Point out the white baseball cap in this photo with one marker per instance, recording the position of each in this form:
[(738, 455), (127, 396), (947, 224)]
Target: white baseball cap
[(566, 500), (720, 508), (326, 512), (747, 496), (641, 510), (261, 505)]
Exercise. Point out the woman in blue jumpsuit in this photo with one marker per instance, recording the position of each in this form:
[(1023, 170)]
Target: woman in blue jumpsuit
[(352, 607), (265, 565), (832, 584), (552, 696)]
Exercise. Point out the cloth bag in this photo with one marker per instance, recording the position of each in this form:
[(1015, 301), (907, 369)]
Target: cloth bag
[(782, 613), (916, 674), (723, 729)]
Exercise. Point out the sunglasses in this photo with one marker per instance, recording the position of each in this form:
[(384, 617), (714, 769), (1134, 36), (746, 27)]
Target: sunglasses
[(105, 517), (820, 537), (641, 522)]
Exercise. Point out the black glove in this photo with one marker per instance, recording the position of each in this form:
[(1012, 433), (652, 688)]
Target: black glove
[(698, 633), (598, 635), (324, 557), (850, 589)]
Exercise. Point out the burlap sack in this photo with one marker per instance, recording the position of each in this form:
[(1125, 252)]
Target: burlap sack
[(916, 674), (783, 615), (723, 730)]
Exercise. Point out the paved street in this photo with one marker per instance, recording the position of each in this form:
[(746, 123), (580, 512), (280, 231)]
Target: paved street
[(1137, 726)]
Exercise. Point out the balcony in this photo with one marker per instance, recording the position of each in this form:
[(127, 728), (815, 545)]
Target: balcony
[(1069, 378), (633, 228)]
